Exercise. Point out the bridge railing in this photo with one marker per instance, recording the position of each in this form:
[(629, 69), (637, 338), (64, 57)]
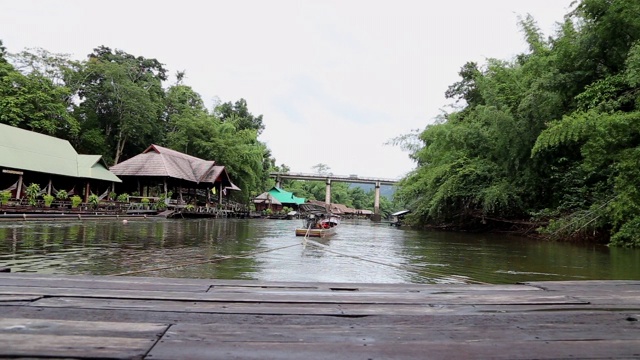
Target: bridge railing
[(354, 178)]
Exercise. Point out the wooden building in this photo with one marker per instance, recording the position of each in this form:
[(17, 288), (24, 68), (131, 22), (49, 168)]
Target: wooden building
[(159, 170), (28, 157), (276, 199)]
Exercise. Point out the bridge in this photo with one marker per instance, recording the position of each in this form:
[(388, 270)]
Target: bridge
[(328, 178)]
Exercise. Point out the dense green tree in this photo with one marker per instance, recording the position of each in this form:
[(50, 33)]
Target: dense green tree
[(551, 135), (238, 113), (121, 98), (114, 104), (31, 100)]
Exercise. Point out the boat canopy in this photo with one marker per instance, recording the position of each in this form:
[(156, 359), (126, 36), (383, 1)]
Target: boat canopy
[(401, 212)]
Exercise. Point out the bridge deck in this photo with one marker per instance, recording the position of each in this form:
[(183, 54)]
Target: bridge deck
[(158, 318)]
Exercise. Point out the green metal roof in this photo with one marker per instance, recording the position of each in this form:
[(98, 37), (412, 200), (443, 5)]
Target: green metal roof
[(93, 167), (27, 150), (285, 197)]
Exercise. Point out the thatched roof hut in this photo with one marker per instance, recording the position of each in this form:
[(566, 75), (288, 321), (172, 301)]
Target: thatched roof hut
[(172, 168)]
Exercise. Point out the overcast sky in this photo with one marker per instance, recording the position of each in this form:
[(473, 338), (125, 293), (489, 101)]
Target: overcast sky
[(334, 80)]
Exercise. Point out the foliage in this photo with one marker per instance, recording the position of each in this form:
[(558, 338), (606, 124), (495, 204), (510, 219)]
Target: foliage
[(161, 204), (124, 197), (32, 191), (48, 199), (112, 195), (121, 97), (115, 104), (76, 201), (552, 136), (62, 195), (246, 159), (4, 195), (93, 200), (32, 100), (238, 114)]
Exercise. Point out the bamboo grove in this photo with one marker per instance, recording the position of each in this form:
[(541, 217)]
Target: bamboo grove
[(546, 143)]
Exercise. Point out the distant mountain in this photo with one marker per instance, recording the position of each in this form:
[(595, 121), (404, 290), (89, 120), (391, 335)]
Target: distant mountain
[(385, 190)]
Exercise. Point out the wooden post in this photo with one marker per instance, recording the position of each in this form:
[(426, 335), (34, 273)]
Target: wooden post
[(164, 181), (49, 187), (19, 189), (87, 189)]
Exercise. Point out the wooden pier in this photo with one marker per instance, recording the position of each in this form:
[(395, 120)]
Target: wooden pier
[(157, 318)]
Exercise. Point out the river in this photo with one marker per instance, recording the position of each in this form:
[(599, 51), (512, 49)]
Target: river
[(268, 250)]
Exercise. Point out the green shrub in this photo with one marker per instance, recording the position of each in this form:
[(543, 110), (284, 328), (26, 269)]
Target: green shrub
[(62, 195), (48, 199), (32, 193), (161, 204), (4, 197), (112, 195), (124, 197), (76, 201), (94, 200)]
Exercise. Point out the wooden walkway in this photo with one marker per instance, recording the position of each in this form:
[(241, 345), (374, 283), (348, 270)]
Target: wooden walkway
[(157, 318)]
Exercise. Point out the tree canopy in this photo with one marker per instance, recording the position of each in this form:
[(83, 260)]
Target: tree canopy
[(549, 140), (117, 104)]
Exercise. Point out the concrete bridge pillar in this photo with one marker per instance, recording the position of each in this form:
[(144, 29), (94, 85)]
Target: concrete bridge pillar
[(376, 204), (327, 194), (278, 182)]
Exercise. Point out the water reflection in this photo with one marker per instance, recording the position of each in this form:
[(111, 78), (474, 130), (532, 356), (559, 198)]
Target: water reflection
[(269, 250)]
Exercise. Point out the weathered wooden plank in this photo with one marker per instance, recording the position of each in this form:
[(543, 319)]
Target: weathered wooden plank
[(73, 346), (355, 333), (378, 341), (444, 298), (28, 279), (609, 349), (102, 283), (583, 283), (69, 317), (245, 308), (599, 318), (85, 328), (86, 339), (216, 287)]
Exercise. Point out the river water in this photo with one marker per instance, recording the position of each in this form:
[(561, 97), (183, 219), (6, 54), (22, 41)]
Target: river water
[(260, 249)]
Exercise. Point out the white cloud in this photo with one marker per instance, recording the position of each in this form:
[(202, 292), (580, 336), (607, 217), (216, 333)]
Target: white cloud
[(334, 80)]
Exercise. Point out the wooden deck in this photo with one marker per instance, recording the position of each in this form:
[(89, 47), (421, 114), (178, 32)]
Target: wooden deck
[(156, 318)]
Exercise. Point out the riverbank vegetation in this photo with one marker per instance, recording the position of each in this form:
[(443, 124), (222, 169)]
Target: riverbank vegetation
[(116, 104), (547, 142)]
